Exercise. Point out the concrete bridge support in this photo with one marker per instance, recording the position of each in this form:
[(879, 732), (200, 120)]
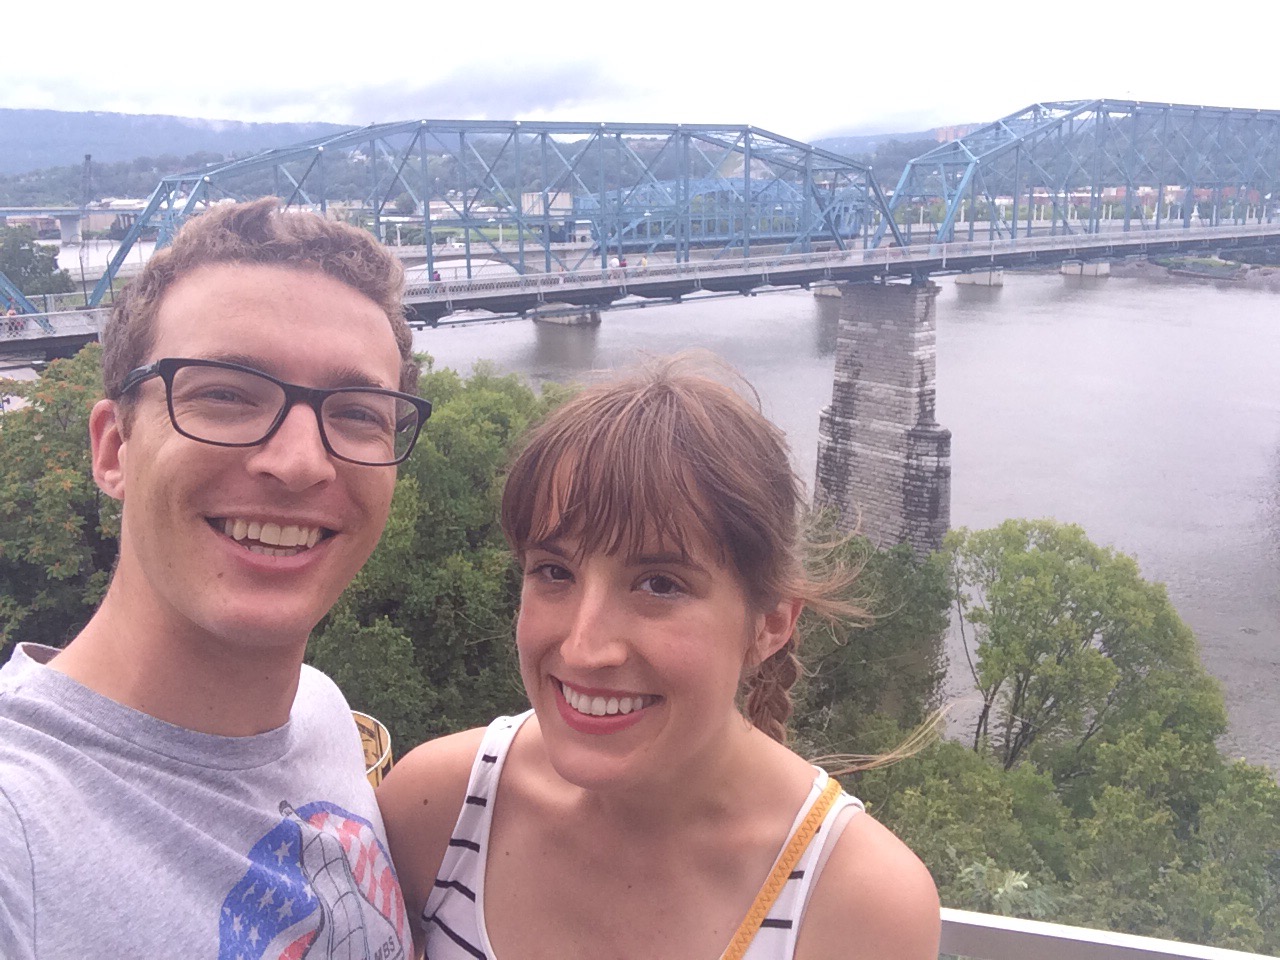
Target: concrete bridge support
[(884, 463), (69, 228)]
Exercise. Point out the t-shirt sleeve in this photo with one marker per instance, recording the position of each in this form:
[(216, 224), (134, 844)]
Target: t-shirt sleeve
[(17, 886)]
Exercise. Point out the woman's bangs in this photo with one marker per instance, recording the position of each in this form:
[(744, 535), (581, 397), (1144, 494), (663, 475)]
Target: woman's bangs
[(617, 487)]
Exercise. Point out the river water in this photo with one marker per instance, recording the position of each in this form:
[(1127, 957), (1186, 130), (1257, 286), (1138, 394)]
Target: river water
[(1147, 412)]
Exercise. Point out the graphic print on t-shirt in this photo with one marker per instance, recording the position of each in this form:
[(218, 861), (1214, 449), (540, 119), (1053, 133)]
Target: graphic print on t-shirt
[(321, 887)]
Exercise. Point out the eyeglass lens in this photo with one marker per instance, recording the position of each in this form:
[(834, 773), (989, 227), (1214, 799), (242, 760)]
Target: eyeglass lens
[(234, 406)]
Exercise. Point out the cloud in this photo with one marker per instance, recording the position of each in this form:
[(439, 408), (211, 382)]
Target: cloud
[(468, 92)]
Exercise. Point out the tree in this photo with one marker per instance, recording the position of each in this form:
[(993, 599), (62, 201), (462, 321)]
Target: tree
[(58, 531), (406, 206), (441, 588), (32, 267), (891, 666), (1061, 635)]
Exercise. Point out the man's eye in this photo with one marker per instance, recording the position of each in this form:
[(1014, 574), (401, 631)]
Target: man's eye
[(220, 395)]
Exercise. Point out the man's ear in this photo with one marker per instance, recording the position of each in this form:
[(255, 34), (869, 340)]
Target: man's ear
[(775, 628), (106, 437)]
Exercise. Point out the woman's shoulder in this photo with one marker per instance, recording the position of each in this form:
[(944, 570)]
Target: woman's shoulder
[(873, 899), (431, 772), (420, 800)]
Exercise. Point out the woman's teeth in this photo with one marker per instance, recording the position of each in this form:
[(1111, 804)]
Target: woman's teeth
[(604, 706)]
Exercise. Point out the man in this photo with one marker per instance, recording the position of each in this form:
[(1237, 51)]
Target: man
[(175, 783)]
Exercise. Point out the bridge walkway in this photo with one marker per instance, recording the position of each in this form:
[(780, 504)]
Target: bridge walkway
[(429, 302)]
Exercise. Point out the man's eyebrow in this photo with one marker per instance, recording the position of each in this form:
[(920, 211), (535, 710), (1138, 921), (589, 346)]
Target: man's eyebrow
[(341, 377)]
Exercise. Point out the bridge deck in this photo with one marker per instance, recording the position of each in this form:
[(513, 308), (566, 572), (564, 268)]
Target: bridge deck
[(428, 302), (595, 288)]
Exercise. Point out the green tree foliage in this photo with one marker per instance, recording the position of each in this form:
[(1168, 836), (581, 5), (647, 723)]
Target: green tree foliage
[(1062, 635), (1093, 791), (892, 666), (439, 594), (892, 157), (32, 267), (57, 530)]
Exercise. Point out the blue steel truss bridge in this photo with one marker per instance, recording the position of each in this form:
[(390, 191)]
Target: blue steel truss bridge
[(551, 206)]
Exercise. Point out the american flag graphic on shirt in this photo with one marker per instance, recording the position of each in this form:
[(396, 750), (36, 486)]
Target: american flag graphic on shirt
[(320, 887)]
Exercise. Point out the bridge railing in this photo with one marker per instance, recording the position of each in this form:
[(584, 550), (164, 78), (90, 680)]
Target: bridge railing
[(625, 277), (42, 326), (982, 936)]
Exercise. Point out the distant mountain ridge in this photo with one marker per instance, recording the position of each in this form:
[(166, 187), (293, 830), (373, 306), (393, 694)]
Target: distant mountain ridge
[(855, 145), (38, 139)]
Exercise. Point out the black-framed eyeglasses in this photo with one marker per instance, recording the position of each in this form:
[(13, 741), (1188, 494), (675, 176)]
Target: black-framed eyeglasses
[(229, 405)]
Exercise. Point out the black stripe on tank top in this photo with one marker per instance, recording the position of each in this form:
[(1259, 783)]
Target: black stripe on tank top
[(466, 844), (796, 875), (460, 941), (477, 801), (455, 885), (776, 924), (488, 758)]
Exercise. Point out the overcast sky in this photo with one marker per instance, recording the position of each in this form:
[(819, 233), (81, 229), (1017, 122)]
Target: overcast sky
[(804, 70)]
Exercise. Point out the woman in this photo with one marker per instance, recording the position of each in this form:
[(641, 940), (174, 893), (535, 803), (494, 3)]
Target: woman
[(647, 806)]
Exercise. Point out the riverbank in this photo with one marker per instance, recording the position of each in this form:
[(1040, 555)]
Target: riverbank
[(1231, 273)]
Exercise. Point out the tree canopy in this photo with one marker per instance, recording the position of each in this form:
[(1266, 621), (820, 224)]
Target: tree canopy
[(1089, 790), (31, 266)]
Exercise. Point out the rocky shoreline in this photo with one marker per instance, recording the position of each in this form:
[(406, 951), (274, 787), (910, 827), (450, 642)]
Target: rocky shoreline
[(1244, 275)]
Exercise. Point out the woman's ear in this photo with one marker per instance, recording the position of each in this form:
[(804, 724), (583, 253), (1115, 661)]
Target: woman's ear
[(106, 438), (774, 628)]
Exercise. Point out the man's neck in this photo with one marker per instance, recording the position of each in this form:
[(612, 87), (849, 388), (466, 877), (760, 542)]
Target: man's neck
[(199, 683)]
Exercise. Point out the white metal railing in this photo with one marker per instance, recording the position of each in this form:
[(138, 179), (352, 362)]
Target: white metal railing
[(27, 326), (982, 936), (547, 284)]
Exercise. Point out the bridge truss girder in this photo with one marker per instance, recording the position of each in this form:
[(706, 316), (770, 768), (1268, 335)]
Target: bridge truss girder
[(632, 188), (1070, 159), (10, 295)]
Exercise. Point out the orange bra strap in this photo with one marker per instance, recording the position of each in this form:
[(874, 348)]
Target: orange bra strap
[(772, 888)]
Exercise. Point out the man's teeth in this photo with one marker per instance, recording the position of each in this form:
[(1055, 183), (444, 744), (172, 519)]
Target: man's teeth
[(271, 539), (603, 706)]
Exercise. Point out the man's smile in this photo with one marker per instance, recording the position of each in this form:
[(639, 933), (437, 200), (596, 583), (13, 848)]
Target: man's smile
[(268, 537)]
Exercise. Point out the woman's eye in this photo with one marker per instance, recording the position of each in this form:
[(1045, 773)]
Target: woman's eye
[(551, 571), (660, 586)]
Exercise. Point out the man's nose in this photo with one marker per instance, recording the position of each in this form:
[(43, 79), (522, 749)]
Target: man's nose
[(295, 454)]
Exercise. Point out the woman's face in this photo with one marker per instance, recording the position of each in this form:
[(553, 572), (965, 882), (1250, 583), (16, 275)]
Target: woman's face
[(633, 662)]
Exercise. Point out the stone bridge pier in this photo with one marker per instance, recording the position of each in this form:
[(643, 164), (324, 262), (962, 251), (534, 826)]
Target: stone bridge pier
[(884, 462), (69, 228)]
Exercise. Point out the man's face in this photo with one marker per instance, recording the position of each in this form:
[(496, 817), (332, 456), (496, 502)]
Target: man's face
[(196, 547)]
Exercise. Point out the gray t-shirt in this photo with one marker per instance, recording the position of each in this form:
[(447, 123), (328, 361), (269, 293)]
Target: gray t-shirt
[(124, 836)]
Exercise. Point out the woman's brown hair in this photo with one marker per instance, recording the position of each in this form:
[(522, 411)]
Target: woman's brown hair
[(678, 452)]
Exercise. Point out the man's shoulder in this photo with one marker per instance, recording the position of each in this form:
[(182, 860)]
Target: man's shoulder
[(26, 662), (317, 684)]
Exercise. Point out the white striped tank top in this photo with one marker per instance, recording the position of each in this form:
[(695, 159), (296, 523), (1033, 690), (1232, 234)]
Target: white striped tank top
[(453, 919)]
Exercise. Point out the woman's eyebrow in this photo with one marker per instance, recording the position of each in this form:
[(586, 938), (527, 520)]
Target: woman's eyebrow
[(553, 547), (668, 559)]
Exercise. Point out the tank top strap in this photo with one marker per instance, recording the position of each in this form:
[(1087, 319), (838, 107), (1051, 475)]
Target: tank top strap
[(453, 917), (776, 938)]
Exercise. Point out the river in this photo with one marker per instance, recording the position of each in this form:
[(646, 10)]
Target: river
[(1147, 412)]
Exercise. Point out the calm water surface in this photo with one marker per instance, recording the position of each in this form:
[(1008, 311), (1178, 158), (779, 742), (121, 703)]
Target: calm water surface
[(1149, 413)]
